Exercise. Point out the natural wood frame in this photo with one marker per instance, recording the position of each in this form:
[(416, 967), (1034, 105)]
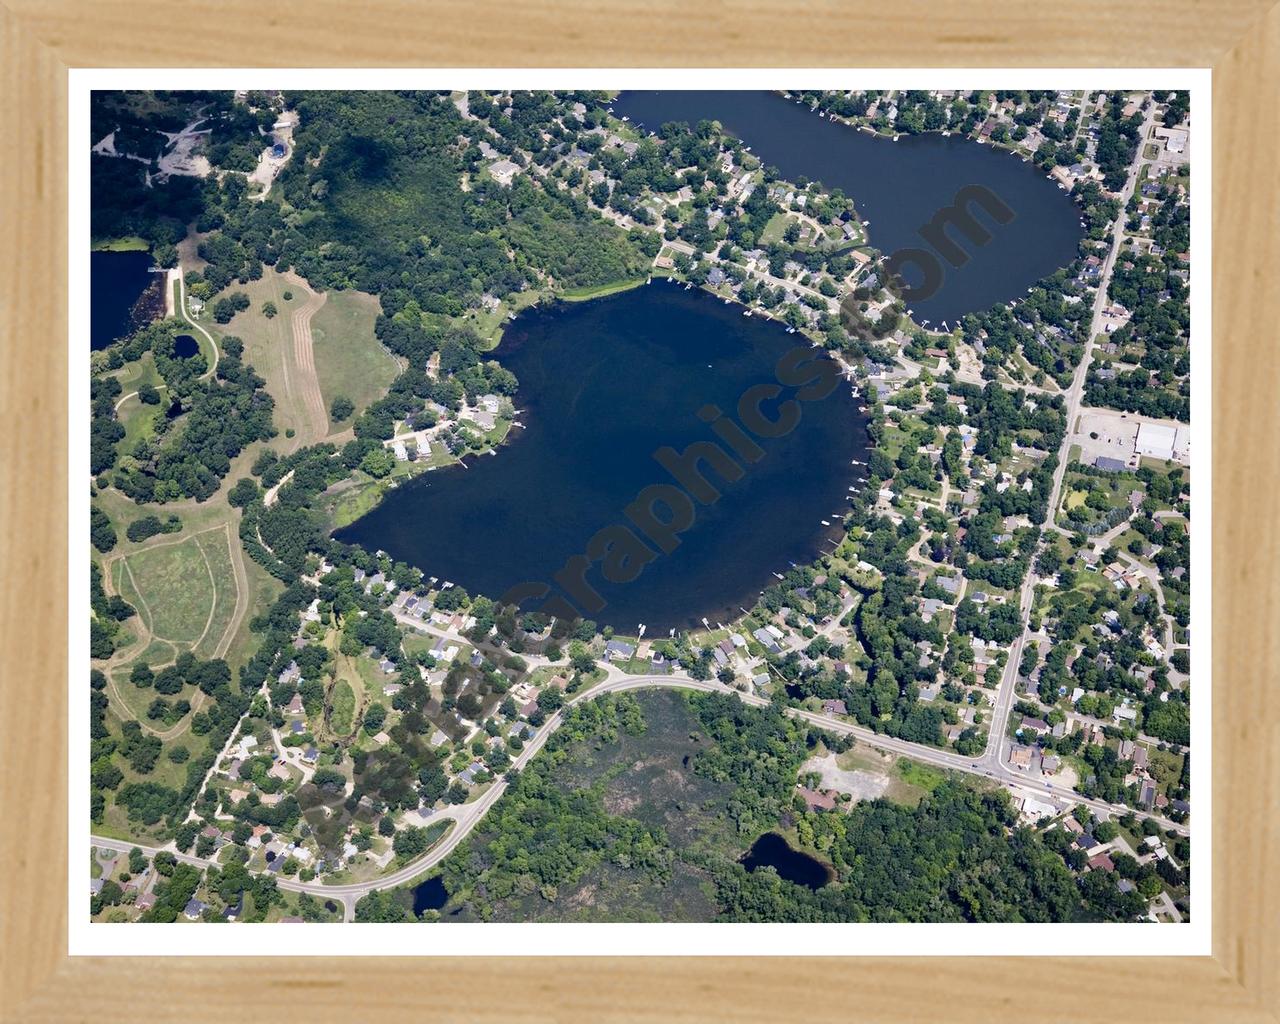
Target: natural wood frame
[(40, 39)]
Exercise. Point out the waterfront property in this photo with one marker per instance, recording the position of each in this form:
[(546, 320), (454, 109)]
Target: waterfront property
[(900, 187)]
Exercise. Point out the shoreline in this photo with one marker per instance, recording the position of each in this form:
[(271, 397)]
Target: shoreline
[(128, 243)]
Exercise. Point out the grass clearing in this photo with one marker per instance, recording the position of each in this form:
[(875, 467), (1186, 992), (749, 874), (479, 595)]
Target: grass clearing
[(342, 708), (900, 780), (129, 243), (600, 290), (920, 775), (268, 345), (213, 544), (176, 589), (349, 359)]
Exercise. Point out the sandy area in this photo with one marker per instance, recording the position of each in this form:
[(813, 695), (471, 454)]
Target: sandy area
[(861, 785)]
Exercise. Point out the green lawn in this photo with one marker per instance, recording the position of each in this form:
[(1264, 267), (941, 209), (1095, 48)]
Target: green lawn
[(349, 360), (597, 291)]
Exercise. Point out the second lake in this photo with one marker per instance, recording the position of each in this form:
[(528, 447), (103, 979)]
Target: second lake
[(899, 187)]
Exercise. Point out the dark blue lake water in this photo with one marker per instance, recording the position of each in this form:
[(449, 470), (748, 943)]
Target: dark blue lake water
[(603, 386), (116, 281), (899, 187)]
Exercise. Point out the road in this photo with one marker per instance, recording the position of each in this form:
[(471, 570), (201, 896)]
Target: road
[(999, 742), (468, 815)]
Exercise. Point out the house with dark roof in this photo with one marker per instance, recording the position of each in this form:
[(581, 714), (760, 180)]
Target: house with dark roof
[(618, 650)]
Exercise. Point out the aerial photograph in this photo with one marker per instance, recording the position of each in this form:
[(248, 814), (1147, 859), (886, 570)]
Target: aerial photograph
[(645, 506)]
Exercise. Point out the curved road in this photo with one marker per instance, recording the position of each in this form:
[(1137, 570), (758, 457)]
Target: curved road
[(182, 309), (468, 815)]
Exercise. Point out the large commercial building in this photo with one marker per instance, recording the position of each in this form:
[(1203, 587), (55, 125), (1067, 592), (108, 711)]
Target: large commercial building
[(1158, 441)]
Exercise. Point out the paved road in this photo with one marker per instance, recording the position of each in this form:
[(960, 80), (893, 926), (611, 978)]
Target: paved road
[(998, 742), (468, 815)]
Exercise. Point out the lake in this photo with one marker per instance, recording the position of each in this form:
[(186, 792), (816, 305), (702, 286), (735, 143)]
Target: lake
[(773, 851), (185, 346), (899, 187), (116, 282), (603, 385)]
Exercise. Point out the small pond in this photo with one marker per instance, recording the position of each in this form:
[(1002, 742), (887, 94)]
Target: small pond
[(430, 895), (773, 851), (185, 346)]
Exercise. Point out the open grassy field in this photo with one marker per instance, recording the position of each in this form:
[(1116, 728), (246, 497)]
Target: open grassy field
[(342, 708), (176, 590), (349, 360), (226, 597), (269, 346)]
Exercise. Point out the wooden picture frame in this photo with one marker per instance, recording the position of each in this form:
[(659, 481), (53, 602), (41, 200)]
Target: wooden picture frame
[(41, 39)]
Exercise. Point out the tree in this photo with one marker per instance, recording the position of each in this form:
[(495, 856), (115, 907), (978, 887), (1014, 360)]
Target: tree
[(269, 309), (374, 717), (225, 308), (341, 408), (101, 532), (550, 698), (410, 842), (245, 492), (378, 463)]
